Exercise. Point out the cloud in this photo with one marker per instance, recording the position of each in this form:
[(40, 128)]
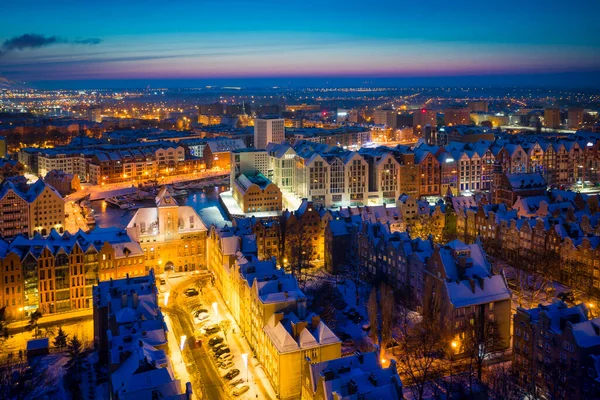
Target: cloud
[(29, 41), (36, 41), (90, 41)]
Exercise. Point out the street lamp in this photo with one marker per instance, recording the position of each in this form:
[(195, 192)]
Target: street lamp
[(245, 358)]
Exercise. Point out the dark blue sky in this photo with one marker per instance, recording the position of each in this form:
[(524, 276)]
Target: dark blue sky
[(89, 42)]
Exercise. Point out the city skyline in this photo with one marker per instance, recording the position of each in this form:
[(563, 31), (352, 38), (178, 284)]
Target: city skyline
[(286, 43)]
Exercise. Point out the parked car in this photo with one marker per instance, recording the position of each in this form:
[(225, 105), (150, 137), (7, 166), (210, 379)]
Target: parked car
[(226, 364), (236, 382), (217, 347), (232, 374), (191, 292), (240, 390), (162, 281), (201, 317), (222, 351), (567, 297), (225, 357), (215, 341), (210, 329)]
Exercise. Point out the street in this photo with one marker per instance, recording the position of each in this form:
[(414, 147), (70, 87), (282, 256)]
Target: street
[(201, 367)]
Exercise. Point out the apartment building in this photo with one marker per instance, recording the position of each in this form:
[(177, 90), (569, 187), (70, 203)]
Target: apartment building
[(357, 376), (554, 350), (461, 293), (38, 208), (56, 273), (270, 309), (130, 335)]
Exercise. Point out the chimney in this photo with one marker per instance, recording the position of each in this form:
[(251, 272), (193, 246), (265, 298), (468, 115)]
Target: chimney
[(188, 391), (359, 356), (352, 387), (298, 327), (301, 308), (279, 286), (278, 317), (128, 278), (315, 321), (472, 283), (124, 299), (135, 299)]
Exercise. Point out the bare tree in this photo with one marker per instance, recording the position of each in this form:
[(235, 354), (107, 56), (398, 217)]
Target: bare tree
[(373, 311), (298, 249), (419, 356), (501, 382), (388, 313), (481, 342)]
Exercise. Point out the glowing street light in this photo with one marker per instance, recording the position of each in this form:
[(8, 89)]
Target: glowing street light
[(245, 358), (215, 307)]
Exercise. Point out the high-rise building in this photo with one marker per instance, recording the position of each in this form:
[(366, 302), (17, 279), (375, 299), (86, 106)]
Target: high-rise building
[(478, 106), (249, 162), (552, 118), (386, 117), (457, 116), (575, 118), (94, 114), (422, 118), (268, 130)]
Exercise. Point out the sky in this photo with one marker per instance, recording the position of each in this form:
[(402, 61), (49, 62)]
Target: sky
[(131, 43)]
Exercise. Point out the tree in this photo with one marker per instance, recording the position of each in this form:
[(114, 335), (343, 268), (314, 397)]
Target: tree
[(75, 353), (61, 338), (4, 322), (373, 311), (481, 342), (449, 232), (419, 355), (388, 313), (298, 249)]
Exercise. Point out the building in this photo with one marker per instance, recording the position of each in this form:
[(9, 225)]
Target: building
[(552, 119), (172, 237), (466, 298), (360, 376), (217, 153), (256, 193), (130, 335), (64, 183), (268, 130), (387, 118), (509, 187), (94, 114), (554, 350), (270, 309), (3, 151), (55, 274), (249, 161), (457, 116), (575, 118), (478, 106), (422, 118), (25, 211)]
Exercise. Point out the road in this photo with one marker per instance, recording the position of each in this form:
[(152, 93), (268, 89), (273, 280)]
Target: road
[(209, 377), (206, 379)]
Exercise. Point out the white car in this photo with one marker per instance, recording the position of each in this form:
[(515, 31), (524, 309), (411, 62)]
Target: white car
[(226, 364), (240, 390), (201, 317)]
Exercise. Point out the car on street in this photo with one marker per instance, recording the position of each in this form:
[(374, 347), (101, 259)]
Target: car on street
[(222, 351), (201, 317), (215, 341), (210, 329), (240, 390), (226, 364), (225, 357), (218, 346), (236, 382), (231, 374), (191, 292)]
